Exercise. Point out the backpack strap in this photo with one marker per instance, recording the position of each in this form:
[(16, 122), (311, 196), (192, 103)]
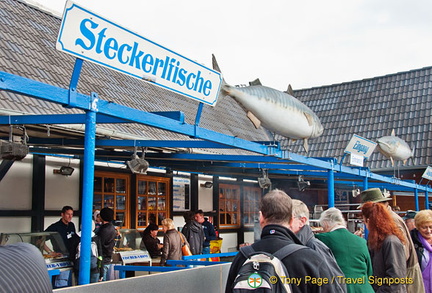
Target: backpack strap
[(247, 251), (287, 250)]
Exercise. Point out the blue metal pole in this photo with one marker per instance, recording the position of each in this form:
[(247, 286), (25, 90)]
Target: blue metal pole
[(365, 183), (198, 114), (87, 199), (426, 199), (366, 186), (330, 188), (416, 199)]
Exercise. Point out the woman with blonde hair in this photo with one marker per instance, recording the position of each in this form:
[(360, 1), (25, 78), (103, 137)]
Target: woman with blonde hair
[(386, 248), (422, 238), (172, 242)]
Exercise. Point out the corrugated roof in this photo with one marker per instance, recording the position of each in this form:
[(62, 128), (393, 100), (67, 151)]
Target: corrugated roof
[(372, 108), (28, 49)]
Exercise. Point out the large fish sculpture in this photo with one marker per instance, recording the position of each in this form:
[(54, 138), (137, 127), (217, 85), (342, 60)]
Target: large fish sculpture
[(394, 148), (277, 111)]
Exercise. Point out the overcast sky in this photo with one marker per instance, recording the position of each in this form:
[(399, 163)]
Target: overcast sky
[(303, 43)]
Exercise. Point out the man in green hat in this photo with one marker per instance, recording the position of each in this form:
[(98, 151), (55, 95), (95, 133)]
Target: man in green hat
[(373, 195), (413, 267)]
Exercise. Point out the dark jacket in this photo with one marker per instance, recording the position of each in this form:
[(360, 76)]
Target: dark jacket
[(303, 264), (307, 237), (171, 246), (151, 244), (194, 233), (417, 245), (209, 233), (107, 234), (389, 262)]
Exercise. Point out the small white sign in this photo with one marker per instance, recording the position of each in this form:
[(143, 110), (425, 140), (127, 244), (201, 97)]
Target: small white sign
[(88, 36), (427, 173), (360, 146), (356, 160), (134, 256)]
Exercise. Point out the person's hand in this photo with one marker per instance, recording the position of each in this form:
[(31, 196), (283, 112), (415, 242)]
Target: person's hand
[(359, 232)]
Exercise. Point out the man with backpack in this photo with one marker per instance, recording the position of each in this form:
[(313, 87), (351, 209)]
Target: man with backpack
[(302, 269), (95, 257)]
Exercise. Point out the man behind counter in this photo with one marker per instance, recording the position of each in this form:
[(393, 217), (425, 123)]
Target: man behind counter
[(67, 231)]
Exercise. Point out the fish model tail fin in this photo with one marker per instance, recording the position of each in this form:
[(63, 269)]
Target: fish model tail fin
[(412, 156), (222, 92)]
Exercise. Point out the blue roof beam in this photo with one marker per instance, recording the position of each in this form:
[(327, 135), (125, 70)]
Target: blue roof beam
[(39, 90), (131, 143), (76, 118)]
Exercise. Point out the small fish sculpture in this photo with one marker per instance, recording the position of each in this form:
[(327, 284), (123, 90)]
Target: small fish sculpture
[(277, 111), (394, 148)]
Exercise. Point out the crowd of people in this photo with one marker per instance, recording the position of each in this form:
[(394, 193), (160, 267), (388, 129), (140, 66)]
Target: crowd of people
[(393, 258), (395, 255)]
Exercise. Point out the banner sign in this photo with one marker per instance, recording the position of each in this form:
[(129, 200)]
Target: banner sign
[(90, 37), (427, 173), (360, 146)]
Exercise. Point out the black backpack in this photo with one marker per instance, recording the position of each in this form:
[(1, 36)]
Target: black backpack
[(264, 272)]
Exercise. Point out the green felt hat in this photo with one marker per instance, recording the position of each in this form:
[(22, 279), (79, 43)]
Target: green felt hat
[(373, 195)]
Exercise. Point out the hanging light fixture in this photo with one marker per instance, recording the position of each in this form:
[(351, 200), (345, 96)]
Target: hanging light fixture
[(264, 182), (137, 164), (302, 184)]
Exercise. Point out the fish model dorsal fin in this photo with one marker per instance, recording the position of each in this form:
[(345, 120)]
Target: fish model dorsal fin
[(290, 90), (215, 64), (393, 133), (309, 118), (255, 121), (255, 82)]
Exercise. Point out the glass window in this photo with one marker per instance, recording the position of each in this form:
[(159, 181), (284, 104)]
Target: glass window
[(251, 199), (114, 194), (229, 206), (152, 200)]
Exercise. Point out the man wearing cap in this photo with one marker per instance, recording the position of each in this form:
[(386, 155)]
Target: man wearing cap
[(413, 268), (409, 219), (107, 234)]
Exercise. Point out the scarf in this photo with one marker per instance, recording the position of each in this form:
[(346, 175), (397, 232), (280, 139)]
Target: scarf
[(426, 264)]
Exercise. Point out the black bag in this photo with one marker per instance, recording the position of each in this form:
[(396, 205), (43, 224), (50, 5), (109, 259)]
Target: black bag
[(264, 272)]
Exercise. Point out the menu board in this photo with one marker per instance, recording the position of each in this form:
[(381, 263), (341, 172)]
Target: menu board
[(181, 194)]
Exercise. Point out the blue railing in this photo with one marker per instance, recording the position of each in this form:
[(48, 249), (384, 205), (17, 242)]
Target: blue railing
[(187, 262)]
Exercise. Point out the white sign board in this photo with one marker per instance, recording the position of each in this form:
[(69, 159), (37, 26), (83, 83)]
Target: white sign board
[(90, 37), (356, 160), (427, 173), (360, 146), (134, 256)]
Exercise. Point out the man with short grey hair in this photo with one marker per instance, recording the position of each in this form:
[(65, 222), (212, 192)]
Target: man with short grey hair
[(300, 226)]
